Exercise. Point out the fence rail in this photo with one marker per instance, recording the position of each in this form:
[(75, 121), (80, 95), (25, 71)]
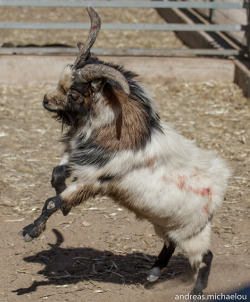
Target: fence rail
[(122, 4), (137, 26), (112, 26), (117, 52)]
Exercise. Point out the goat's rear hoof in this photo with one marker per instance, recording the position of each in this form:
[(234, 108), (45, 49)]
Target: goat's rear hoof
[(196, 292), (32, 231), (154, 274), (196, 295)]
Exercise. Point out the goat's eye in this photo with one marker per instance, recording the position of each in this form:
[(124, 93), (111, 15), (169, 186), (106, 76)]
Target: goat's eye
[(74, 94)]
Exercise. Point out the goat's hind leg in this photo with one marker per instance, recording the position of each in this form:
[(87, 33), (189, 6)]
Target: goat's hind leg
[(35, 229), (161, 262), (203, 274)]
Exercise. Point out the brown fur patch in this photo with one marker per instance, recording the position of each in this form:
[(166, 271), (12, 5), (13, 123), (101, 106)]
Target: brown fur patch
[(130, 129), (75, 198), (150, 162)]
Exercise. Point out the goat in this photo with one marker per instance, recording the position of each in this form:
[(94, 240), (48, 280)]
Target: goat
[(117, 146)]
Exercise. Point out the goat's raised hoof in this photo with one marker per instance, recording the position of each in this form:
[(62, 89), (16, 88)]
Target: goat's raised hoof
[(154, 274), (32, 230), (36, 228)]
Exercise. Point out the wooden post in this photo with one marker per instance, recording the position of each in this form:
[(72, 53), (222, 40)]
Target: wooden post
[(248, 26)]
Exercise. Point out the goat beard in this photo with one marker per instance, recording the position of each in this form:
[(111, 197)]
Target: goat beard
[(65, 118), (72, 116)]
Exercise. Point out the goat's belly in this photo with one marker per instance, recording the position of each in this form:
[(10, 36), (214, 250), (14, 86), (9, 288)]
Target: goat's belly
[(163, 198)]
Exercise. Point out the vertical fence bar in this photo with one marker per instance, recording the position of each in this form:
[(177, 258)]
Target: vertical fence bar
[(247, 32), (211, 13)]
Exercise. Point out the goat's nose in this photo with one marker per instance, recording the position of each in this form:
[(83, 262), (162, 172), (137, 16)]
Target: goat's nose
[(45, 100)]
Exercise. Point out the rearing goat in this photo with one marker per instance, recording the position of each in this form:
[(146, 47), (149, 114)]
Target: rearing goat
[(117, 146)]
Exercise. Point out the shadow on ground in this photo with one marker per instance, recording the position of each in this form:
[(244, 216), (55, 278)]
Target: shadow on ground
[(70, 266)]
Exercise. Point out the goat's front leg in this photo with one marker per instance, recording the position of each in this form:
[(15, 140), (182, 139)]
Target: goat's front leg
[(74, 194), (59, 175), (35, 229)]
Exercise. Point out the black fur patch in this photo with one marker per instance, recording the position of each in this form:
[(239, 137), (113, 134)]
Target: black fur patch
[(87, 153), (106, 178), (79, 86)]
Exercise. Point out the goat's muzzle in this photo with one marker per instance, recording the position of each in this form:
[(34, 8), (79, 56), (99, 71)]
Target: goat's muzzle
[(47, 105), (45, 100)]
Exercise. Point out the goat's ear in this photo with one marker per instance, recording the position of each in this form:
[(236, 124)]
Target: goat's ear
[(114, 98), (97, 85)]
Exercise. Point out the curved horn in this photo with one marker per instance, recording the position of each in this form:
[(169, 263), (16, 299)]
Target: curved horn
[(93, 32), (97, 71)]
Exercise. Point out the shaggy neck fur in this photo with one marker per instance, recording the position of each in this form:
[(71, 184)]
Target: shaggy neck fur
[(132, 126)]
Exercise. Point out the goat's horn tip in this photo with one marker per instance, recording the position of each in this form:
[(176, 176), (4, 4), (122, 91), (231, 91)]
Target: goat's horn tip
[(80, 45), (89, 8)]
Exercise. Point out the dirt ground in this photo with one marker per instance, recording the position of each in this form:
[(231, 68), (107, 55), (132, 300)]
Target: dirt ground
[(100, 252)]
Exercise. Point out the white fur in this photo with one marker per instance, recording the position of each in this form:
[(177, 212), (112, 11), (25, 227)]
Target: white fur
[(64, 159), (171, 190)]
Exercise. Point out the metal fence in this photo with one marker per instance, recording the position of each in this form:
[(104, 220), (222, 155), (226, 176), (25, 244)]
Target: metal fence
[(111, 26)]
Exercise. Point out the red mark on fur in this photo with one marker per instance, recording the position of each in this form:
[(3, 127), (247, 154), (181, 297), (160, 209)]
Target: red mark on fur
[(206, 208), (203, 192), (194, 175), (182, 184), (206, 192)]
